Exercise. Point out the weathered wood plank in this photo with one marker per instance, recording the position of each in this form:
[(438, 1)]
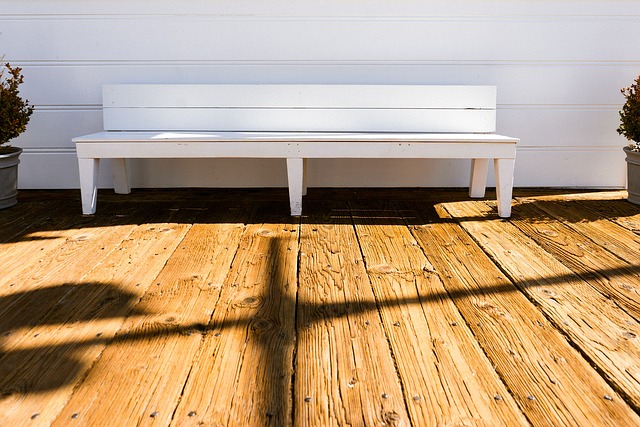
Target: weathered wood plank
[(605, 333), (45, 231), (48, 359), (570, 195), (345, 373), (30, 293), (17, 221), (622, 242), (61, 263), (446, 377), (242, 374), (139, 377), (614, 277), (592, 319), (621, 212), (608, 204), (127, 352), (550, 380)]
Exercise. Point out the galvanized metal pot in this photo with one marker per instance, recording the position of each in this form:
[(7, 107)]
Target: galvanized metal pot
[(633, 175), (9, 177)]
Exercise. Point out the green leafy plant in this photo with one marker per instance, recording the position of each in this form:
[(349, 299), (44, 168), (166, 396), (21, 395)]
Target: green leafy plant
[(14, 111), (630, 115)]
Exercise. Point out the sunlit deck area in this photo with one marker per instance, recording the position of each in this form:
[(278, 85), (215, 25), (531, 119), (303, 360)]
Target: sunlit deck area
[(376, 307)]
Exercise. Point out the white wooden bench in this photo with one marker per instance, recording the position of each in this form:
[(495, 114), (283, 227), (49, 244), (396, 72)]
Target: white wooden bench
[(298, 122)]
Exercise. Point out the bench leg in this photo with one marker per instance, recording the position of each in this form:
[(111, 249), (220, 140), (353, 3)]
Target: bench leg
[(295, 174), (478, 183), (89, 184), (504, 185), (304, 177), (119, 175)]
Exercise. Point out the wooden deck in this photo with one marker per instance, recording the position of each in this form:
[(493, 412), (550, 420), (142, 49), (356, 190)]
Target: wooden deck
[(390, 307)]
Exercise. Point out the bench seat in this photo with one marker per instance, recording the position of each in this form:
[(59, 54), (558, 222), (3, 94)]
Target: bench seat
[(178, 140)]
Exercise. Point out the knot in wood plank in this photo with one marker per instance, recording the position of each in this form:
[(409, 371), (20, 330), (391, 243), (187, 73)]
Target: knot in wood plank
[(249, 302)]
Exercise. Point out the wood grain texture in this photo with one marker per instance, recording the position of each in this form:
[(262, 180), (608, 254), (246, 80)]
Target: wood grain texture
[(65, 256), (66, 340), (623, 243), (39, 232), (447, 378), (560, 374), (404, 307), (242, 374), (589, 249), (152, 354), (345, 370)]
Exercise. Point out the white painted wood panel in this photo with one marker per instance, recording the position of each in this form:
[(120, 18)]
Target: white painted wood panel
[(557, 127), (289, 137), (327, 120), (323, 8), (558, 66), (313, 108), (320, 8), (54, 128), (184, 38), (537, 127), (543, 168), (299, 96), (556, 84)]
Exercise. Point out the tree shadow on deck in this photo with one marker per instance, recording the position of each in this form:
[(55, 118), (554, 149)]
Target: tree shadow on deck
[(31, 321)]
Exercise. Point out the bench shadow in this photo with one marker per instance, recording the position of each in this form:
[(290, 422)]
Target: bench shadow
[(63, 209)]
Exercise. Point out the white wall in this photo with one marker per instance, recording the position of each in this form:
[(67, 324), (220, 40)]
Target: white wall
[(558, 65)]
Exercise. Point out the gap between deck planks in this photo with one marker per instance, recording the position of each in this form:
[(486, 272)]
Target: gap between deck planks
[(227, 313)]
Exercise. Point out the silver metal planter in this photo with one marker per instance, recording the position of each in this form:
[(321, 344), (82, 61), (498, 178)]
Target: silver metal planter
[(633, 175), (9, 177)]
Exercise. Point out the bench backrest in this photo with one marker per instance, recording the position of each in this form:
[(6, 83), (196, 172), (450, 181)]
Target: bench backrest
[(339, 108)]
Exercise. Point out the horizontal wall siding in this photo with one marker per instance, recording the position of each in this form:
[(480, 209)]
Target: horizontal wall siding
[(558, 67)]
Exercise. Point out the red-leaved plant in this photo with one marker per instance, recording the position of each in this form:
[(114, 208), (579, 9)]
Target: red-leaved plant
[(14, 111), (630, 115)]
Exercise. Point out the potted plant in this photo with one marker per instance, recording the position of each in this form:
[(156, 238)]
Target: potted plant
[(630, 129), (14, 116)]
